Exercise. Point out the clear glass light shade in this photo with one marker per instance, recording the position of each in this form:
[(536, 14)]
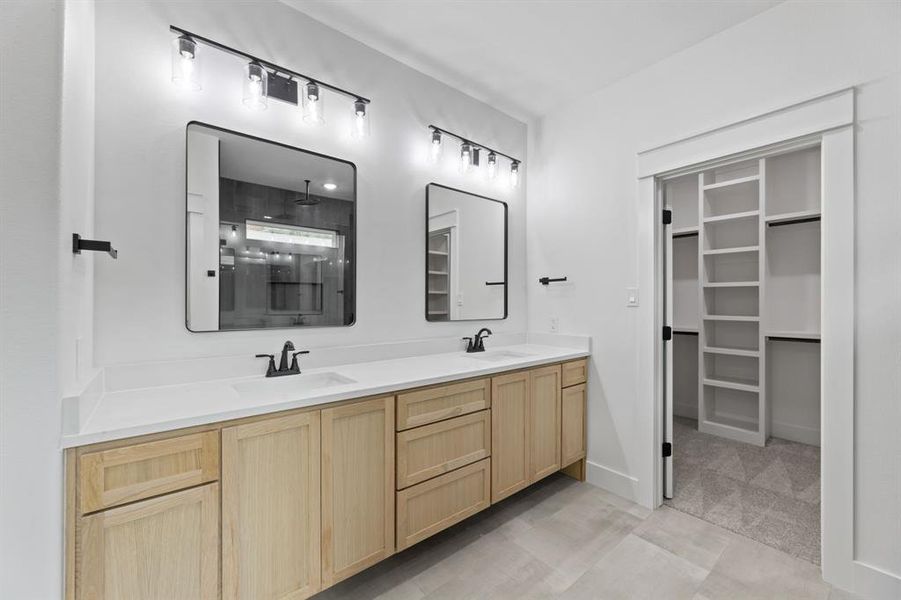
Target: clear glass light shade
[(492, 165), (361, 118), (256, 86), (514, 175), (465, 157), (185, 63), (313, 104), (435, 147)]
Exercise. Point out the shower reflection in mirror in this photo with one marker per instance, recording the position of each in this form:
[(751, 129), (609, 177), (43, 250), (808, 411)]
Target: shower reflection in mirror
[(270, 234)]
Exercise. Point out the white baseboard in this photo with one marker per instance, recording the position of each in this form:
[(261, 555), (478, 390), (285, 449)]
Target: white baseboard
[(612, 480), (796, 433), (689, 411), (873, 583)]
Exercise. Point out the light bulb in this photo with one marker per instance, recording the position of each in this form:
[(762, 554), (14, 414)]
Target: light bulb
[(313, 105), (435, 149), (514, 174), (234, 231), (492, 165), (465, 157), (330, 186), (360, 120), (185, 64), (256, 86)]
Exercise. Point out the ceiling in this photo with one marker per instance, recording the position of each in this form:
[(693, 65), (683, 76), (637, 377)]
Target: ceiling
[(527, 56)]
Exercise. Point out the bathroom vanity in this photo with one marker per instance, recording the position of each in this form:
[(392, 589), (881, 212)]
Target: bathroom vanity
[(310, 488)]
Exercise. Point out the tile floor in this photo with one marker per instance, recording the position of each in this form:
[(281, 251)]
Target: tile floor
[(769, 494), (565, 539)]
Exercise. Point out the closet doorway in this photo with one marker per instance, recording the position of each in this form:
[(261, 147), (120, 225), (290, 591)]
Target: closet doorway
[(742, 292)]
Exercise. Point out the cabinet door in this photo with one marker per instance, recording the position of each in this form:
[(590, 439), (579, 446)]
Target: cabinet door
[(357, 487), (270, 508), (544, 422), (165, 548), (573, 427), (509, 434)]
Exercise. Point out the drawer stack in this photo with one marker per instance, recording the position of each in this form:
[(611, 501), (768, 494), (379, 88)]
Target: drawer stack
[(443, 457)]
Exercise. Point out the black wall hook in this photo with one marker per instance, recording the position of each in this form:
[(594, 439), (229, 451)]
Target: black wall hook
[(79, 244), (547, 280)]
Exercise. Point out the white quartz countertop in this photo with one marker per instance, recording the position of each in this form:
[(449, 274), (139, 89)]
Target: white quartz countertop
[(127, 413)]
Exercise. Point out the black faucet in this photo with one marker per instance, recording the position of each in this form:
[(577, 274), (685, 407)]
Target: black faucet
[(283, 368), (477, 343)]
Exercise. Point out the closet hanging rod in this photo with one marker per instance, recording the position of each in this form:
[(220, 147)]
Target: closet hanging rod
[(685, 235)]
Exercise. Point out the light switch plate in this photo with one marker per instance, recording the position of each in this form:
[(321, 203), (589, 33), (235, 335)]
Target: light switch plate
[(555, 324), (631, 296)]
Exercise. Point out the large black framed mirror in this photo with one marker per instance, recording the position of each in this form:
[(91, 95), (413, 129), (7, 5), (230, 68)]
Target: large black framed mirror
[(465, 256), (270, 234)]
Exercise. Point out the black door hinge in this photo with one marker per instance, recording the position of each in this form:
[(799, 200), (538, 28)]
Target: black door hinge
[(667, 216), (667, 333), (667, 449)]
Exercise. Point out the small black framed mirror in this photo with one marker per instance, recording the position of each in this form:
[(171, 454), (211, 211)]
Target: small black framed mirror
[(465, 256), (270, 234)]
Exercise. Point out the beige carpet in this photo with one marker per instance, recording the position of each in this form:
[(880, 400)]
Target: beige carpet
[(769, 494)]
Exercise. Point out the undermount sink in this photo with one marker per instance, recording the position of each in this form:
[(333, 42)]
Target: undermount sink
[(497, 355), (287, 384)]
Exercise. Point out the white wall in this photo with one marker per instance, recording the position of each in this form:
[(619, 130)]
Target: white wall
[(31, 36), (583, 187), (140, 140)]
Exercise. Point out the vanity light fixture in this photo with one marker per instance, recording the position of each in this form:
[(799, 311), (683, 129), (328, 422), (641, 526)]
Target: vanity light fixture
[(465, 157), (514, 174), (263, 80), (185, 64), (234, 231), (435, 148), (313, 104), (470, 153), (360, 127), (255, 86)]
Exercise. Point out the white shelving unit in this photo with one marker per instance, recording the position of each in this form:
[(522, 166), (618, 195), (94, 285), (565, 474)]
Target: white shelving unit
[(439, 269), (746, 283)]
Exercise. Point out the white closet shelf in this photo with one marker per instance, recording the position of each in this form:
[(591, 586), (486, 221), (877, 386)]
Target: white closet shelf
[(732, 284), (801, 335), (733, 383), (437, 253), (737, 318), (736, 250), (438, 292), (732, 351), (732, 182), (685, 230), (748, 214), (792, 216), (437, 272), (437, 312)]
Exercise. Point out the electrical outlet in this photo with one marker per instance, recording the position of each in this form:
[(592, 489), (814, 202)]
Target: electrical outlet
[(631, 296), (555, 324)]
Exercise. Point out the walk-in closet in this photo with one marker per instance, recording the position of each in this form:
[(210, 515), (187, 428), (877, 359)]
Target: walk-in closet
[(745, 288)]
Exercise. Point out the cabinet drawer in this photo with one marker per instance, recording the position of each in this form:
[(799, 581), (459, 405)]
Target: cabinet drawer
[(443, 402), (429, 451), (575, 372), (112, 477), (425, 509)]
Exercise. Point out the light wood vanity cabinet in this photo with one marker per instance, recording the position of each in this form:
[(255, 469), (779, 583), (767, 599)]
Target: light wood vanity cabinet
[(165, 547), (270, 508), (510, 420), (357, 487), (312, 496), (572, 439), (544, 422)]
